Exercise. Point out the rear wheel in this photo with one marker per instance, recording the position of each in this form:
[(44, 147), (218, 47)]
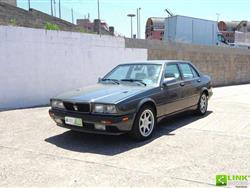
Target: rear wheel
[(144, 123), (203, 103)]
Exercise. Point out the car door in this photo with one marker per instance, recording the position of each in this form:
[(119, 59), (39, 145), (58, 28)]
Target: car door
[(190, 86), (171, 94)]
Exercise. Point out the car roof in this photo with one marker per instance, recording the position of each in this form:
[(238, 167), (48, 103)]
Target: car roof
[(160, 62)]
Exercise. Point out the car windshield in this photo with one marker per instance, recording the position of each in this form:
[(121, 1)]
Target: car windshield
[(145, 74)]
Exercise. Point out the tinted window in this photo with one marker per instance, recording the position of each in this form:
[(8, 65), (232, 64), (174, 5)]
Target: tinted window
[(119, 73), (186, 71), (194, 72), (172, 71), (148, 73)]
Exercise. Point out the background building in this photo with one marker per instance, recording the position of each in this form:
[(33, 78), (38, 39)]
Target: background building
[(228, 29), (93, 27), (155, 28)]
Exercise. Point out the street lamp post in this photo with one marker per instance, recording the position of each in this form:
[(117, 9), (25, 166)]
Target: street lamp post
[(138, 23), (131, 17), (99, 17)]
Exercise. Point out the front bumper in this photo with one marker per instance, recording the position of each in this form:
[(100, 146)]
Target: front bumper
[(114, 124)]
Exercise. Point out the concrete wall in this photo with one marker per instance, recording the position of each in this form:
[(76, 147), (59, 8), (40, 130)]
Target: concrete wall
[(37, 64), (226, 66)]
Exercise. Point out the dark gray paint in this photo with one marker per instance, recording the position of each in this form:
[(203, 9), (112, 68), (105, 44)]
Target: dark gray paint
[(167, 99)]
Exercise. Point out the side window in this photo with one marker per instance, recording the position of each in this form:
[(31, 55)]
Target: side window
[(194, 72), (172, 71), (186, 71)]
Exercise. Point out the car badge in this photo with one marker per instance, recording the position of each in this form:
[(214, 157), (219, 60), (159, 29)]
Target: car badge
[(75, 107)]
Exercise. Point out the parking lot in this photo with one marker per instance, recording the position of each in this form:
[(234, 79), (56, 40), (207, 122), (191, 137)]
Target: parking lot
[(186, 150)]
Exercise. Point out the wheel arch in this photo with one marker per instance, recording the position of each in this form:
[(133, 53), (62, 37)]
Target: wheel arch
[(205, 90), (147, 101)]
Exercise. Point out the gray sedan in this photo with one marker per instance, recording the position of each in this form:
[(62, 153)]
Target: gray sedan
[(132, 97)]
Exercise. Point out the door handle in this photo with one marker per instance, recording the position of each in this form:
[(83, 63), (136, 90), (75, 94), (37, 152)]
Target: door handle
[(182, 84), (198, 80)]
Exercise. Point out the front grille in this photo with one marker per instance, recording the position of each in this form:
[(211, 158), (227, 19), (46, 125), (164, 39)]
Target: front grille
[(77, 107)]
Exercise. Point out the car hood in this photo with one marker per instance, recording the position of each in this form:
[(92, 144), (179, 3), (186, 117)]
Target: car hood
[(102, 93)]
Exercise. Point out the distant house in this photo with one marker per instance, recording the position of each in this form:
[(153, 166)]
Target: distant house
[(89, 26), (155, 27), (228, 29)]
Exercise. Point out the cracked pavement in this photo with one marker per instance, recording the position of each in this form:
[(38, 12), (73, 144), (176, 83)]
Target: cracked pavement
[(185, 151)]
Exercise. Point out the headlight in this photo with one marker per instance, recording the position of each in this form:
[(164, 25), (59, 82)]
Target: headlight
[(104, 108), (57, 104)]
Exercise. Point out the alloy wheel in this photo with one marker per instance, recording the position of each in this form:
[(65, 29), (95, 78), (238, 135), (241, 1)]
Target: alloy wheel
[(203, 103), (146, 123)]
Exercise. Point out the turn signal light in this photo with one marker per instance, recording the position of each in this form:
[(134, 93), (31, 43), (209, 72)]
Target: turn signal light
[(125, 119), (106, 122)]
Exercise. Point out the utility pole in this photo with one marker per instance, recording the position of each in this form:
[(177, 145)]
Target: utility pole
[(51, 7), (137, 22), (131, 17), (59, 9), (99, 17), (218, 17), (72, 15), (140, 22), (29, 4), (55, 7)]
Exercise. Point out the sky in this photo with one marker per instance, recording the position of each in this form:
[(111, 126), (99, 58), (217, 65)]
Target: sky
[(114, 12)]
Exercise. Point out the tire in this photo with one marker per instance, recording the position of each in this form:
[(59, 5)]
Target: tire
[(202, 105), (142, 128)]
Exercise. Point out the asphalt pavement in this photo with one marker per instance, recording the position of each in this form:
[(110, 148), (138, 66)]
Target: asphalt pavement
[(186, 150)]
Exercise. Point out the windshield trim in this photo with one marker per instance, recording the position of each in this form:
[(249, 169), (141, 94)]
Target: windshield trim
[(160, 74)]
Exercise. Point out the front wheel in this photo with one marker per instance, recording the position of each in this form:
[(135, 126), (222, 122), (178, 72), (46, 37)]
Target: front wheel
[(203, 103), (144, 123)]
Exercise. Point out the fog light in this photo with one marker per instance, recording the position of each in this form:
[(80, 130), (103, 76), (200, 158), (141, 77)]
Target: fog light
[(57, 120), (100, 127)]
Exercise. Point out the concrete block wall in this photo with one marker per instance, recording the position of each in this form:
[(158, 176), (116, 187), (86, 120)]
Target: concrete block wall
[(36, 64), (226, 66)]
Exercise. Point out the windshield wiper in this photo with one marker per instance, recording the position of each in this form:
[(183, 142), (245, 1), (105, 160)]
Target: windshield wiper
[(112, 80), (134, 80)]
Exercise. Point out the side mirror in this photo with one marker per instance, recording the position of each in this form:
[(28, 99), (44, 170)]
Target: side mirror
[(168, 81), (99, 79)]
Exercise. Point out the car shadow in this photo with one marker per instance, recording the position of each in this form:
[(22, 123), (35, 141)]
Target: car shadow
[(113, 145)]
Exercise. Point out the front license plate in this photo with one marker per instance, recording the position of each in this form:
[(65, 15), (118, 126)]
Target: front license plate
[(73, 121)]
